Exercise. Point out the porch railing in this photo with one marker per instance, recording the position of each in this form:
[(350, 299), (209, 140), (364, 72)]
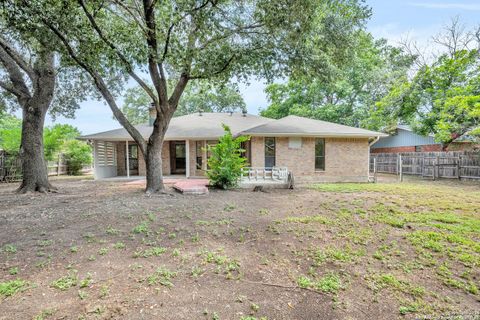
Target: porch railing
[(262, 173)]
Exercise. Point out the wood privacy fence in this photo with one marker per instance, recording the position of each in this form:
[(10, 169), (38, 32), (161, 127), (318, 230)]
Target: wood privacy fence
[(431, 165), (11, 167)]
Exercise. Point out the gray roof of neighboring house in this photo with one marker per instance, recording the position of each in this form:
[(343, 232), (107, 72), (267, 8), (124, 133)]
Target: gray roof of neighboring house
[(209, 126), (299, 126)]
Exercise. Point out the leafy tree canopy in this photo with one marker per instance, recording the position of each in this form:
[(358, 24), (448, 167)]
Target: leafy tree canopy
[(349, 92), (198, 96), (443, 96)]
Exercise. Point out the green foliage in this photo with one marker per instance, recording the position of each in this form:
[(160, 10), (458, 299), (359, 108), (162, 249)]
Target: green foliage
[(10, 133), (65, 282), (9, 288), (203, 95), (226, 161), (77, 154), (443, 98), (349, 92), (55, 136)]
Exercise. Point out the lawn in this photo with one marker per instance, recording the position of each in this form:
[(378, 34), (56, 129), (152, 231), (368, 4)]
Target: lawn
[(104, 250)]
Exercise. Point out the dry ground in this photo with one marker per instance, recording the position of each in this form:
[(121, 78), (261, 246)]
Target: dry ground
[(104, 250)]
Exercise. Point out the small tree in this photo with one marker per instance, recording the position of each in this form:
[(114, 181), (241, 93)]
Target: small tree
[(78, 154), (226, 161)]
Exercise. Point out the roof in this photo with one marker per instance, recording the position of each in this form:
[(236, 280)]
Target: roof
[(209, 126), (205, 126), (299, 126)]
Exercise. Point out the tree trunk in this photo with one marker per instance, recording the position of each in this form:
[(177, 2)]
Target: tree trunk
[(34, 167), (153, 156)]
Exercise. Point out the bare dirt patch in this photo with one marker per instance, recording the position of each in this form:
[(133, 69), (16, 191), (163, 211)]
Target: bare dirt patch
[(104, 250)]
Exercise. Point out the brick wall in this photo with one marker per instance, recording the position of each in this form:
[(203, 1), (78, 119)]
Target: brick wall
[(346, 159), (142, 170), (257, 152)]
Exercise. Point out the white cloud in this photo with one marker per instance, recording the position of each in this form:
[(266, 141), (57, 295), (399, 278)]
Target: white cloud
[(440, 5)]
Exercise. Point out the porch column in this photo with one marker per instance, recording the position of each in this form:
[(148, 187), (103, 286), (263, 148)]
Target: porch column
[(204, 156), (187, 158), (127, 159)]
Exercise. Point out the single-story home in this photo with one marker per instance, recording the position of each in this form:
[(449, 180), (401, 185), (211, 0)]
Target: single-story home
[(312, 150), (404, 139)]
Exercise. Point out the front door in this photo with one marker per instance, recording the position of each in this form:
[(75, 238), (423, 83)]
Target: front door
[(177, 157)]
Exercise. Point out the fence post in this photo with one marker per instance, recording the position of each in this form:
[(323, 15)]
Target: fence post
[(58, 164), (398, 164), (458, 167), (438, 166), (400, 169)]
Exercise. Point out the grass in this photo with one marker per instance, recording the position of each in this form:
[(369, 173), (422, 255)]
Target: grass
[(150, 252), (329, 283), (9, 288), (161, 276), (65, 282)]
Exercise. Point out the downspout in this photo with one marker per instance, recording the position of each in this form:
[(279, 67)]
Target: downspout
[(369, 145)]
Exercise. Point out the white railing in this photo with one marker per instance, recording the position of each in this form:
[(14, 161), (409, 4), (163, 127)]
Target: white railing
[(262, 173)]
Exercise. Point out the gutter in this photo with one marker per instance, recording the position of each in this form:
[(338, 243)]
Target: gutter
[(373, 141)]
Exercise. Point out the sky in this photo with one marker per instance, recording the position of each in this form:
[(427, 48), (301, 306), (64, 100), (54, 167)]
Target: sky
[(391, 19)]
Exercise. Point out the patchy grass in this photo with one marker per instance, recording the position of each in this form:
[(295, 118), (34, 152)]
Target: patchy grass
[(9, 288), (368, 251)]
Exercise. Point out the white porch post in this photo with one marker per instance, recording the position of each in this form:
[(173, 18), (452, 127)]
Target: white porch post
[(128, 160), (187, 158)]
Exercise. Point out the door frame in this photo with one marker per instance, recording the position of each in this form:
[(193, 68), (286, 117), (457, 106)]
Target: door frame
[(173, 158)]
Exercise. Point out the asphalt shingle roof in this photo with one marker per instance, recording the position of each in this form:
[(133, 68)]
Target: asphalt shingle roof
[(209, 126)]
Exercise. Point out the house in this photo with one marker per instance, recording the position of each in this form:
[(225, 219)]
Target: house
[(312, 150), (403, 139)]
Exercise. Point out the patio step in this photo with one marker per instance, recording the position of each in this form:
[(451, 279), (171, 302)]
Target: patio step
[(192, 186)]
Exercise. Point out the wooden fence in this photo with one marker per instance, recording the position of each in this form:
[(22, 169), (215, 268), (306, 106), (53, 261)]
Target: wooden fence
[(11, 167), (432, 165)]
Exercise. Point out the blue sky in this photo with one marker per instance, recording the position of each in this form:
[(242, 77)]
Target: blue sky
[(391, 19)]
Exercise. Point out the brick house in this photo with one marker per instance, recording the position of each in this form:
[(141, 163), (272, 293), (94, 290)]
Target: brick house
[(312, 150)]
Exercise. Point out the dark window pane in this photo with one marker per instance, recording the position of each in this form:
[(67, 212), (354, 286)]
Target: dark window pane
[(319, 154), (319, 163), (269, 152)]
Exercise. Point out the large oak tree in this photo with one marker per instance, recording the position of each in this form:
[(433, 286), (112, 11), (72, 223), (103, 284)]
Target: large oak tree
[(187, 40), (33, 77)]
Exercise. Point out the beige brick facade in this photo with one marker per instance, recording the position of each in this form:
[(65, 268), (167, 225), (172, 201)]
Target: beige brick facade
[(346, 159)]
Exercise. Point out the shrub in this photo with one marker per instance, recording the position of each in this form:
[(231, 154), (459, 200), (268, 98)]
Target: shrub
[(226, 161), (77, 154)]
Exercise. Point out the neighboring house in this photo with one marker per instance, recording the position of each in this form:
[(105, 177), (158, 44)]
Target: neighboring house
[(312, 150), (403, 139)]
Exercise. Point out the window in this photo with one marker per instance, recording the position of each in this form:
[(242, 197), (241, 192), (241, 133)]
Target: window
[(210, 143), (320, 154), (199, 152), (269, 152)]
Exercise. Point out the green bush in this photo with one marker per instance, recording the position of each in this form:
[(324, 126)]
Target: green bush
[(77, 154), (226, 161)]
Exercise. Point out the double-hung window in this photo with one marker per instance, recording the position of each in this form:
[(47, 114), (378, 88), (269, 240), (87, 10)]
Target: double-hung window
[(320, 154)]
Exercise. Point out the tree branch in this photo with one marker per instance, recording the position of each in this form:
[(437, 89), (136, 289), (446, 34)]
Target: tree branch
[(11, 89), (19, 87), (155, 68), (102, 87), (17, 58), (222, 69), (124, 60)]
